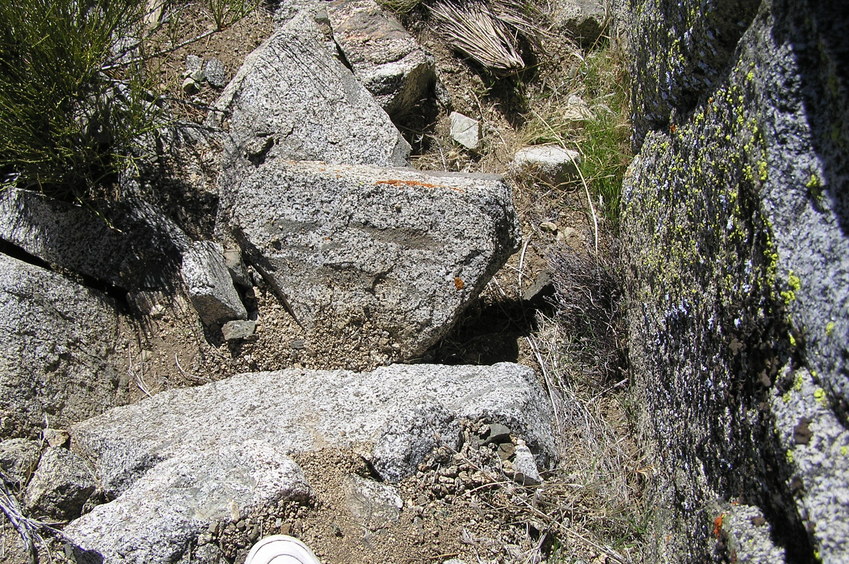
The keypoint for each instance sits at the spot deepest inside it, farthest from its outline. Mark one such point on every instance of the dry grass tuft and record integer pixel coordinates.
(488, 34)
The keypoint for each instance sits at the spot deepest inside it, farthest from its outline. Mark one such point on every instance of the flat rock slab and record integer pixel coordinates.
(55, 339)
(391, 414)
(384, 57)
(186, 459)
(293, 99)
(390, 256)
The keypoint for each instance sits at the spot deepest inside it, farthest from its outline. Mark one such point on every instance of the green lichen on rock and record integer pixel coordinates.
(733, 225)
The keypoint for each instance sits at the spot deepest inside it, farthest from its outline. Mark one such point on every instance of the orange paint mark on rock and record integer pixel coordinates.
(458, 283)
(717, 525)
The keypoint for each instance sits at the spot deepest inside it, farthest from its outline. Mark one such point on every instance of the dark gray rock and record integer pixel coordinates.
(57, 339)
(292, 99)
(129, 244)
(160, 516)
(215, 73)
(583, 20)
(384, 57)
(734, 231)
(18, 460)
(391, 255)
(209, 284)
(60, 486)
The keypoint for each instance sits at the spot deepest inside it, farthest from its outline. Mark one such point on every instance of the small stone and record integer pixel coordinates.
(190, 85)
(496, 433)
(238, 330)
(465, 130)
(193, 63)
(549, 163)
(216, 74)
(372, 504)
(506, 450)
(548, 226)
(56, 437)
(525, 470)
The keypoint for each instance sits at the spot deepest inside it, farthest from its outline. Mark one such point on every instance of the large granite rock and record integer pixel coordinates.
(734, 230)
(392, 254)
(293, 99)
(186, 459)
(585, 21)
(384, 57)
(160, 517)
(129, 244)
(56, 339)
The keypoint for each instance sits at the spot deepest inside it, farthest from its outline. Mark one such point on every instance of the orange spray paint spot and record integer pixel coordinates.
(717, 525)
(458, 283)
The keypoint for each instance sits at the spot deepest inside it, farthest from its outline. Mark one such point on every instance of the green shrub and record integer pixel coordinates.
(75, 99)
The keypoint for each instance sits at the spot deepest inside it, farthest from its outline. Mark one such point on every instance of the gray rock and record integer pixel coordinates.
(193, 63)
(293, 100)
(583, 20)
(215, 73)
(190, 85)
(209, 284)
(161, 515)
(549, 163)
(386, 59)
(238, 330)
(56, 340)
(18, 460)
(402, 411)
(60, 486)
(130, 244)
(391, 255)
(465, 131)
(734, 233)
(373, 505)
(523, 467)
(56, 437)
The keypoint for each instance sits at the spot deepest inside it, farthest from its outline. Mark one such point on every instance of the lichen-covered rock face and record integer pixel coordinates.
(734, 231)
(56, 341)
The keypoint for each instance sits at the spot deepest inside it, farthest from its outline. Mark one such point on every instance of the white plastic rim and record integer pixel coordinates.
(281, 549)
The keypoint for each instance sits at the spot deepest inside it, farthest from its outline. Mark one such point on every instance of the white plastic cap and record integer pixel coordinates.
(281, 549)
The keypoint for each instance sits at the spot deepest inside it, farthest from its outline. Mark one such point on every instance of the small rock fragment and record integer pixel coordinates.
(216, 74)
(56, 437)
(238, 330)
(210, 285)
(465, 130)
(550, 163)
(60, 486)
(193, 63)
(524, 466)
(496, 433)
(548, 226)
(372, 504)
(190, 85)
